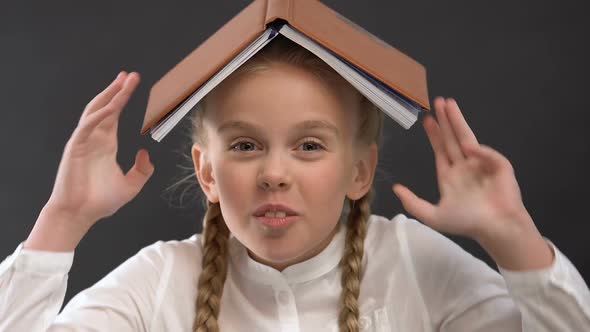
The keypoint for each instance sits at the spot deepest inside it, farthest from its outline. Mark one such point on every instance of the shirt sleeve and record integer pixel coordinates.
(33, 286)
(551, 299)
(462, 293)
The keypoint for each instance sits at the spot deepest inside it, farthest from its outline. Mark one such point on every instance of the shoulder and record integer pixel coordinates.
(139, 288)
(157, 262)
(384, 232)
(164, 269)
(417, 243)
(433, 257)
(184, 253)
(399, 223)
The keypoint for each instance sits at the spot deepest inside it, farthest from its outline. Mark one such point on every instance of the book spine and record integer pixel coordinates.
(278, 9)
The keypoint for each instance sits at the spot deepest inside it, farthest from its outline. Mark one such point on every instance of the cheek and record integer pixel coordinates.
(324, 178)
(323, 187)
(235, 180)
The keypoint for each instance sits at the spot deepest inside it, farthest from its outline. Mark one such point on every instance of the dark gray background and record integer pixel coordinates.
(517, 68)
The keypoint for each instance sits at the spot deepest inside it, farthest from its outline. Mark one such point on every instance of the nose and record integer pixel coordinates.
(273, 173)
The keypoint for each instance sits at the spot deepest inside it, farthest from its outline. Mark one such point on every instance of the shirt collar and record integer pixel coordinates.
(312, 268)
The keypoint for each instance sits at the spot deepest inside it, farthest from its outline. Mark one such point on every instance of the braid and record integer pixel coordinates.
(351, 263)
(214, 270)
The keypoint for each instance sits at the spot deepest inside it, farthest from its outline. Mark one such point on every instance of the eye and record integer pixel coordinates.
(243, 146)
(310, 144)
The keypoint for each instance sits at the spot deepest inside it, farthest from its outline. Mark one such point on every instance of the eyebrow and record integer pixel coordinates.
(307, 124)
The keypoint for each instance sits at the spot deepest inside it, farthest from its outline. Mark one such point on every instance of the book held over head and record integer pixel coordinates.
(391, 80)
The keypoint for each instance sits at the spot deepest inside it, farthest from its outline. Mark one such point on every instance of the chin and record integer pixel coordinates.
(270, 250)
(275, 253)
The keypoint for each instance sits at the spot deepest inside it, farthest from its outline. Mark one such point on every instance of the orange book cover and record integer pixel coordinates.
(314, 19)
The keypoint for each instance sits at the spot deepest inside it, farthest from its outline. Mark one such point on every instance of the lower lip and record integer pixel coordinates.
(277, 222)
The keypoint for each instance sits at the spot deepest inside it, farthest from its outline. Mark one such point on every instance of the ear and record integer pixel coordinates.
(204, 173)
(363, 173)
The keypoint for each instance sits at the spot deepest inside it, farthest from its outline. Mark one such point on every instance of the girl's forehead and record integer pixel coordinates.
(281, 93)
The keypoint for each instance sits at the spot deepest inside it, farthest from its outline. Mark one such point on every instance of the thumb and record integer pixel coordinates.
(416, 206)
(141, 171)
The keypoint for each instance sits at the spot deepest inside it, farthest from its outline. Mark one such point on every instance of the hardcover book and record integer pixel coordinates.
(391, 80)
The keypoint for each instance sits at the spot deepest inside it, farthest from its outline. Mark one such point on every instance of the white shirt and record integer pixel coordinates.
(415, 279)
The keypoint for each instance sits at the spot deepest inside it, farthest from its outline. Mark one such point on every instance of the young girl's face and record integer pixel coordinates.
(280, 136)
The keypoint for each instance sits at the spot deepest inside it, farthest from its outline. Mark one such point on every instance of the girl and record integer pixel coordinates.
(285, 153)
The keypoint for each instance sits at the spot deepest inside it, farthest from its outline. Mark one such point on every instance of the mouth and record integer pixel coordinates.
(275, 215)
(276, 222)
(274, 211)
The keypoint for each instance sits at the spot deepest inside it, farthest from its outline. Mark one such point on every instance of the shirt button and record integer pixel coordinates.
(364, 322)
(283, 297)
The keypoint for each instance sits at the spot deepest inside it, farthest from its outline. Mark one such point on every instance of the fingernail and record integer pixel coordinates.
(120, 75)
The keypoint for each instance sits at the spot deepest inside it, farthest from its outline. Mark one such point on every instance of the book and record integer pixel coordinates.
(391, 80)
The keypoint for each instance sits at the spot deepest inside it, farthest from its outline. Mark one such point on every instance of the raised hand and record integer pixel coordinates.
(90, 184)
(479, 195)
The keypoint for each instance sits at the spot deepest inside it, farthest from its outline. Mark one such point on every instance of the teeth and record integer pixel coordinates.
(277, 214)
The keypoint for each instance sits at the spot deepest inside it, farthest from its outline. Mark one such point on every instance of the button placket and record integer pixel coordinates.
(287, 310)
(283, 297)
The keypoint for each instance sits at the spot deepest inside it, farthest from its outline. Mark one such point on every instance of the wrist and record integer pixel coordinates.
(56, 230)
(520, 247)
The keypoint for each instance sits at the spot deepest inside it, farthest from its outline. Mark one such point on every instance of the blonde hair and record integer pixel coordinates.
(215, 232)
